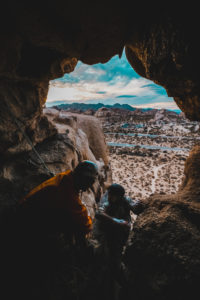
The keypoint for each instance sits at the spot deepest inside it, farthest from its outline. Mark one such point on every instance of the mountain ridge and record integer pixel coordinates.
(84, 107)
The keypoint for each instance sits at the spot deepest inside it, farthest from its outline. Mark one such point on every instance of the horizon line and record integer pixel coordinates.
(136, 107)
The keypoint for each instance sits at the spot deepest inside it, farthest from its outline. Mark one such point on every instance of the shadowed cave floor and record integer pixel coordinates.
(38, 267)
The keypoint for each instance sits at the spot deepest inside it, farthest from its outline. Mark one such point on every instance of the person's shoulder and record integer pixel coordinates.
(128, 200)
(65, 175)
(65, 179)
(137, 206)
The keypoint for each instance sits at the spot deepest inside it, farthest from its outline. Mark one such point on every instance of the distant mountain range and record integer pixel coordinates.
(84, 107)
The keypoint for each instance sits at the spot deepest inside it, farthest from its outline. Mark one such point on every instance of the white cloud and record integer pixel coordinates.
(159, 105)
(90, 90)
(94, 71)
(72, 92)
(107, 83)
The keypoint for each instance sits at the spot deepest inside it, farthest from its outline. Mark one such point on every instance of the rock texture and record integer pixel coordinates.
(166, 116)
(81, 127)
(71, 143)
(163, 257)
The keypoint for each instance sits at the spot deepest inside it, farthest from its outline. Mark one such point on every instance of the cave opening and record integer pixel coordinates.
(148, 136)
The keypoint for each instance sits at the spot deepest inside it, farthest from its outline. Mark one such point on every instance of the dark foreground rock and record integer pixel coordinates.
(163, 257)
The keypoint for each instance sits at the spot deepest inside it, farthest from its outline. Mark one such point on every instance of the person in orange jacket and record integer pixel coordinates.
(55, 205)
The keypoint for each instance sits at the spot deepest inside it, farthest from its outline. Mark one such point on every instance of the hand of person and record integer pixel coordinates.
(138, 207)
(99, 215)
(121, 222)
(88, 235)
(103, 217)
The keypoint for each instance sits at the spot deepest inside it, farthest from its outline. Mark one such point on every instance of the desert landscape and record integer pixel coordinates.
(147, 173)
(148, 157)
(147, 148)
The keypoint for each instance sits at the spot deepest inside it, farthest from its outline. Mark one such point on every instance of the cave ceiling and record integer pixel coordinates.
(43, 41)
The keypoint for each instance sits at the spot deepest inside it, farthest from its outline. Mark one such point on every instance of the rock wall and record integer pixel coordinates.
(63, 150)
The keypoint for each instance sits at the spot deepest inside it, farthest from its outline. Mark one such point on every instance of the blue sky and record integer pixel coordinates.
(113, 82)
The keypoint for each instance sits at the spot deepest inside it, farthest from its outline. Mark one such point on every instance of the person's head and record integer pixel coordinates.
(85, 175)
(115, 193)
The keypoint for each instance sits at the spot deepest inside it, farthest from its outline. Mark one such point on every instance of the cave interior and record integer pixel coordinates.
(43, 41)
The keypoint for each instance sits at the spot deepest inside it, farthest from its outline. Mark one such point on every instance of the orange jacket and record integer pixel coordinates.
(58, 194)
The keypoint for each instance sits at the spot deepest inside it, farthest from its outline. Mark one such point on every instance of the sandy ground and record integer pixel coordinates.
(145, 171)
(162, 172)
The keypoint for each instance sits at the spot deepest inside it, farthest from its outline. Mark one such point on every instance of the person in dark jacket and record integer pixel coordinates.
(113, 213)
(113, 224)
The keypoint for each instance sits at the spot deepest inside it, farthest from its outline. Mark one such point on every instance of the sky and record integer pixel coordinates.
(110, 83)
